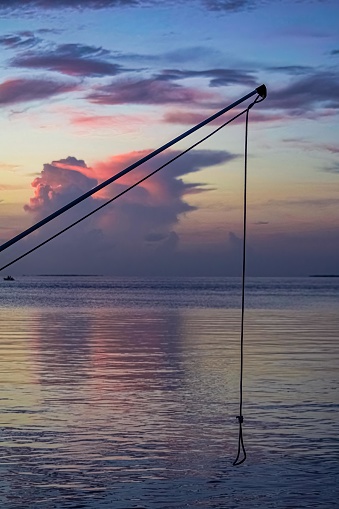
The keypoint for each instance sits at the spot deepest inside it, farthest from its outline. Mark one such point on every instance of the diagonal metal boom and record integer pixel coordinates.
(260, 90)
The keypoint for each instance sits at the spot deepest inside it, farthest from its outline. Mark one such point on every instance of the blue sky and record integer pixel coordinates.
(87, 87)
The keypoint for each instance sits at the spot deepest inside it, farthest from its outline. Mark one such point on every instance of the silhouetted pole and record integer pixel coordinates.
(260, 90)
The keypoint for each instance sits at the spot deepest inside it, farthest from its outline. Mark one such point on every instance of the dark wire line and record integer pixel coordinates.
(240, 418)
(259, 90)
(123, 192)
(241, 446)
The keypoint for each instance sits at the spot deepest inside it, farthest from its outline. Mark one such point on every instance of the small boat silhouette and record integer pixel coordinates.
(9, 278)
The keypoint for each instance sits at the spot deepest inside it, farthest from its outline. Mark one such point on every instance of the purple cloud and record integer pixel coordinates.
(294, 70)
(70, 59)
(334, 168)
(218, 77)
(131, 231)
(215, 5)
(22, 39)
(305, 202)
(59, 182)
(230, 5)
(147, 91)
(72, 4)
(317, 90)
(23, 90)
(308, 145)
(235, 5)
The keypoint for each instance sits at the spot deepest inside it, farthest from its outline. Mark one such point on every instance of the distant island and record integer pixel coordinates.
(64, 275)
(324, 275)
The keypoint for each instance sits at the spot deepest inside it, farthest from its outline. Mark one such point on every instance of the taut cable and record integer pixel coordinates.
(260, 90)
(120, 194)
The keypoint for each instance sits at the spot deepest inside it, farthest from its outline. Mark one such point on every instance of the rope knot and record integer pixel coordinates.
(240, 419)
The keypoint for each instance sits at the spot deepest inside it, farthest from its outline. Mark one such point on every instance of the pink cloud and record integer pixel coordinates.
(137, 230)
(59, 183)
(188, 117)
(70, 59)
(193, 118)
(24, 90)
(309, 145)
(10, 187)
(164, 186)
(142, 219)
(148, 91)
(8, 167)
(19, 40)
(89, 122)
(334, 149)
(315, 92)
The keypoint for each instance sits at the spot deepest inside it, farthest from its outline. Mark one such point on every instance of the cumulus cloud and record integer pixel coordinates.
(165, 189)
(70, 59)
(24, 90)
(136, 228)
(59, 183)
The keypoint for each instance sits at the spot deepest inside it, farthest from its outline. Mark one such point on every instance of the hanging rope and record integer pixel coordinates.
(261, 96)
(241, 446)
(123, 192)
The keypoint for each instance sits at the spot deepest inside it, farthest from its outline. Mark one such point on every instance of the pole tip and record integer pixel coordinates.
(262, 91)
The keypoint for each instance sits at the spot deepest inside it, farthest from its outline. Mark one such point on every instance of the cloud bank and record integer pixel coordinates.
(70, 59)
(213, 5)
(21, 90)
(135, 233)
(218, 77)
(19, 40)
(148, 91)
(220, 5)
(315, 90)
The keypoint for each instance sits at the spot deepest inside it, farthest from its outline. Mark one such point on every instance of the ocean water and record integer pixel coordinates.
(122, 393)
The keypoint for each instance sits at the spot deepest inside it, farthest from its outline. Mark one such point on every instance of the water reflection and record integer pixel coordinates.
(126, 350)
(60, 346)
(135, 408)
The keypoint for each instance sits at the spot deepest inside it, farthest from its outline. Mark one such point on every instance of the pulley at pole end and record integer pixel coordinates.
(262, 91)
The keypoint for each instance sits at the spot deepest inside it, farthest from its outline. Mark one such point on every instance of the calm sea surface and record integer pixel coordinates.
(122, 393)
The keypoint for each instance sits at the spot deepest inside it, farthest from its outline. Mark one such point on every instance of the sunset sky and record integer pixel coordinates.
(87, 87)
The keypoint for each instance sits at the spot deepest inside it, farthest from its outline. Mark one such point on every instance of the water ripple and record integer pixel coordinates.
(104, 407)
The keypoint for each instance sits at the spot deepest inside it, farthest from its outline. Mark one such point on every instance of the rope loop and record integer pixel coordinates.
(240, 417)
